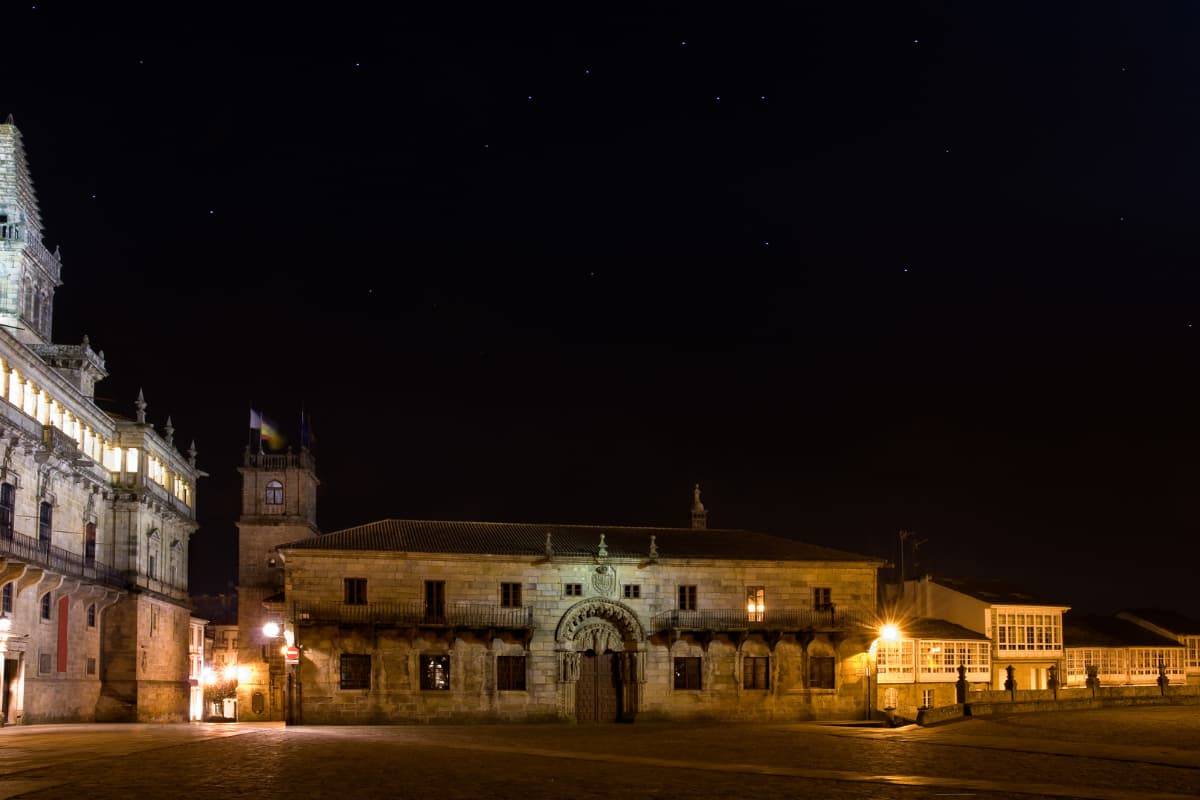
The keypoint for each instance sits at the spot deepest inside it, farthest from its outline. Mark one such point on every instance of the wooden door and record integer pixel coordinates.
(596, 692)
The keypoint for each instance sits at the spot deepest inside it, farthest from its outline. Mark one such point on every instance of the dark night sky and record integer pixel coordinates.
(922, 265)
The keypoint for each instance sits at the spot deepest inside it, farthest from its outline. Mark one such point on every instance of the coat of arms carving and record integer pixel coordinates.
(604, 580)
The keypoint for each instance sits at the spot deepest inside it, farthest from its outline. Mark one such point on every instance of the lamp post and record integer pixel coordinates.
(274, 631)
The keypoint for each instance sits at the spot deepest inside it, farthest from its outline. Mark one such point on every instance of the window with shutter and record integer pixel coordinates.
(756, 672)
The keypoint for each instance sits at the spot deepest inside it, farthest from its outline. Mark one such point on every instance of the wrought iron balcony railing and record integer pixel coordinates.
(28, 550)
(776, 619)
(414, 613)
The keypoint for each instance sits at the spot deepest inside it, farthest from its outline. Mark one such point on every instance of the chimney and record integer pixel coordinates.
(699, 515)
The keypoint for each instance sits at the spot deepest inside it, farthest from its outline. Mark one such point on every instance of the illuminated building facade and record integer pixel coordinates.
(419, 621)
(96, 510)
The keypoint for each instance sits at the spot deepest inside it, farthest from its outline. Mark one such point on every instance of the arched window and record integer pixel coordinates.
(89, 544)
(46, 606)
(45, 524)
(274, 493)
(91, 616)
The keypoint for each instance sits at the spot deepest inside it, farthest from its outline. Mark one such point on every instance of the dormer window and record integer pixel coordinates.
(274, 494)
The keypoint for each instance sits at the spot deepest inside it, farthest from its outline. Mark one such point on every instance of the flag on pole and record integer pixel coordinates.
(255, 420)
(306, 433)
(270, 433)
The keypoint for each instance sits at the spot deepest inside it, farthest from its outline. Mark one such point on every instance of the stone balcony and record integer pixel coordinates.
(415, 614)
(16, 548)
(775, 621)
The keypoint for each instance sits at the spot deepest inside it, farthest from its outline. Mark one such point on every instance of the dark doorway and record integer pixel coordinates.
(597, 693)
(8, 692)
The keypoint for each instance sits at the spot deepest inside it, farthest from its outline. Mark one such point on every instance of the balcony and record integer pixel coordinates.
(415, 614)
(783, 620)
(279, 461)
(28, 550)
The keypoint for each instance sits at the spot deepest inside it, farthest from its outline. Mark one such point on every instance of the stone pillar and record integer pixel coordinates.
(1052, 679)
(1010, 682)
(1163, 680)
(960, 686)
(1093, 678)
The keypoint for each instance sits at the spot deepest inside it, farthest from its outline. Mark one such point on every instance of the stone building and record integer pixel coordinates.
(419, 621)
(96, 510)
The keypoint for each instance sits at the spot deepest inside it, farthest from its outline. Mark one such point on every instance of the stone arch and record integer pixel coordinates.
(580, 619)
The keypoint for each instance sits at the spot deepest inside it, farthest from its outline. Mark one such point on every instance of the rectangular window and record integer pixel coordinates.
(91, 666)
(822, 598)
(435, 602)
(8, 494)
(632, 591)
(6, 598)
(821, 672)
(45, 525)
(355, 591)
(687, 672)
(573, 590)
(1037, 632)
(435, 673)
(687, 598)
(510, 673)
(927, 698)
(756, 672)
(45, 664)
(756, 603)
(510, 595)
(355, 671)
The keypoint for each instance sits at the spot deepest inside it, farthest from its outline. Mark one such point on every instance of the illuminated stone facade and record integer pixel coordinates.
(95, 510)
(405, 621)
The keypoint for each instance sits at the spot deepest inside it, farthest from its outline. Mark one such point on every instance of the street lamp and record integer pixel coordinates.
(271, 629)
(889, 632)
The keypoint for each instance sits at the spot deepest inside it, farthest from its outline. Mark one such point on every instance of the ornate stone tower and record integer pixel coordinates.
(279, 504)
(29, 273)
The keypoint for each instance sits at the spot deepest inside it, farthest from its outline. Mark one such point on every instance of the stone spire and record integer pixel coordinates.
(602, 549)
(699, 515)
(653, 548)
(169, 431)
(140, 403)
(549, 546)
(192, 453)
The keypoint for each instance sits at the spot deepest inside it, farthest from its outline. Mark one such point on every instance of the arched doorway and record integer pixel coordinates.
(601, 648)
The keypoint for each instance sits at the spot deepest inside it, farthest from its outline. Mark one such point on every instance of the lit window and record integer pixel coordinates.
(755, 603)
(927, 698)
(274, 494)
(435, 673)
(131, 460)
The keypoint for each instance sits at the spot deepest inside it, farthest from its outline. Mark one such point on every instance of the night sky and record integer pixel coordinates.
(851, 269)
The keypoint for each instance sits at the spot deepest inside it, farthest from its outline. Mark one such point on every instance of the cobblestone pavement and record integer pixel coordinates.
(1044, 755)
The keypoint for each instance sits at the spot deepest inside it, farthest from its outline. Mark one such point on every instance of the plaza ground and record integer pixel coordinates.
(1113, 754)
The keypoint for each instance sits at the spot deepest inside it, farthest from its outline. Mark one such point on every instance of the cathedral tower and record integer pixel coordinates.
(29, 273)
(279, 505)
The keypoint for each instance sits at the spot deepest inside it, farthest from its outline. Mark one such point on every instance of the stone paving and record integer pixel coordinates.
(1044, 755)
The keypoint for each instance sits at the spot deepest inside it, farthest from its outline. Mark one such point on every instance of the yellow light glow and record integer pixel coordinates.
(243, 674)
(208, 676)
(283, 649)
(289, 637)
(889, 632)
(271, 629)
(230, 673)
(750, 606)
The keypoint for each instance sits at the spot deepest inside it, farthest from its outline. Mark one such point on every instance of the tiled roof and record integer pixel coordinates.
(1094, 631)
(930, 628)
(995, 592)
(1172, 621)
(528, 539)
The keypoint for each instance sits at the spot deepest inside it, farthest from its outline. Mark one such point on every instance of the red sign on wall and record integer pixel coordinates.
(291, 654)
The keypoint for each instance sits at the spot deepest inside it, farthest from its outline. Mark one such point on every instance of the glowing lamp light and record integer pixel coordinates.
(243, 674)
(750, 607)
(271, 629)
(230, 673)
(289, 637)
(208, 677)
(889, 633)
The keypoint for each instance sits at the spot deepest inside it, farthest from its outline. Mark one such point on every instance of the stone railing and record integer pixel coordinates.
(776, 619)
(413, 613)
(26, 549)
(301, 460)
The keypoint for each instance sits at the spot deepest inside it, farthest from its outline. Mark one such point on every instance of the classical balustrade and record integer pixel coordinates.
(302, 460)
(26, 549)
(415, 614)
(769, 619)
